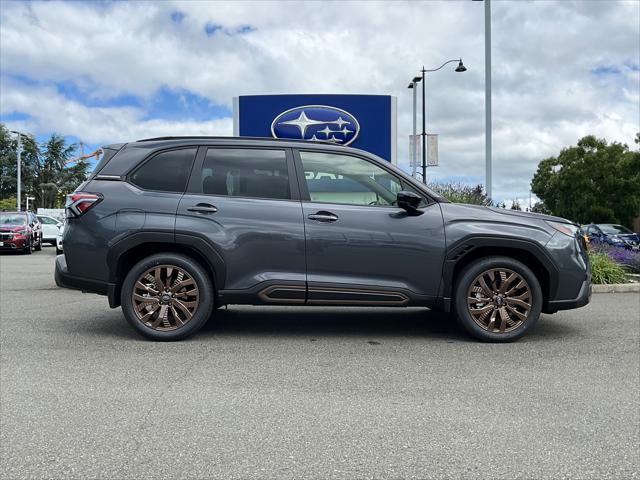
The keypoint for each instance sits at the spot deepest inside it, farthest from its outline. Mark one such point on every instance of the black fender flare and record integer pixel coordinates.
(464, 247)
(191, 241)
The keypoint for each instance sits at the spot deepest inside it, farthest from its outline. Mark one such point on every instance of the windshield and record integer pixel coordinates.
(13, 219)
(614, 229)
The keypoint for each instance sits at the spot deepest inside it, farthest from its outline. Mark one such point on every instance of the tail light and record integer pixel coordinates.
(79, 203)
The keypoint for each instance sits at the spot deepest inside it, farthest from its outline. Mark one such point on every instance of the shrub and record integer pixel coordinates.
(460, 193)
(604, 270)
(630, 259)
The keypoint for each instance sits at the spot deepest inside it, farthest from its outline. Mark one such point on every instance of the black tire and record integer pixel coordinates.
(29, 248)
(58, 251)
(202, 281)
(38, 246)
(473, 326)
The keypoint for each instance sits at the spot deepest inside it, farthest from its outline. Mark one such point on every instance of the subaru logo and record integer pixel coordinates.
(318, 123)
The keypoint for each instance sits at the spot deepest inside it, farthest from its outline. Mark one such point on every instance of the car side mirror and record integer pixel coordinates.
(408, 201)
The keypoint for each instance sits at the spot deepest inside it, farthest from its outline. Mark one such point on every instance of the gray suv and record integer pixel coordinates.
(173, 228)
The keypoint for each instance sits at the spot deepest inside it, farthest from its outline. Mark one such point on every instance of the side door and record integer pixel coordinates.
(244, 203)
(361, 248)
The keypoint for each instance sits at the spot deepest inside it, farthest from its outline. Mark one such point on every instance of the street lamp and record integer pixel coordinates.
(29, 198)
(18, 179)
(414, 153)
(460, 68)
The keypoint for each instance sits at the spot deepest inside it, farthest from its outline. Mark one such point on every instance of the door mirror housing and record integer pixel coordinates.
(408, 201)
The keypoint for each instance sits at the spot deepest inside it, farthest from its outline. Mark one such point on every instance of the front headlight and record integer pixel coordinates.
(615, 239)
(567, 228)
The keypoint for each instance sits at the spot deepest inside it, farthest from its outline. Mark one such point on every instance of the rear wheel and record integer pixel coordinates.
(167, 297)
(497, 299)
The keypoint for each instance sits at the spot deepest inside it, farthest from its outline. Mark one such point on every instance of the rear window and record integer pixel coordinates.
(165, 172)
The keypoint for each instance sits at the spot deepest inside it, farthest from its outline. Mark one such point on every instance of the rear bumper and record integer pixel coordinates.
(583, 298)
(66, 280)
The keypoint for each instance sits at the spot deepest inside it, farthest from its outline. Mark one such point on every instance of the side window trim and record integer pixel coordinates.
(305, 196)
(148, 158)
(194, 185)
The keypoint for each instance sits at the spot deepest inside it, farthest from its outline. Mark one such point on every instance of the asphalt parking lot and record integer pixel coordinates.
(310, 393)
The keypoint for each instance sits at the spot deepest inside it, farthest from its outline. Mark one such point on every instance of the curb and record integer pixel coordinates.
(616, 288)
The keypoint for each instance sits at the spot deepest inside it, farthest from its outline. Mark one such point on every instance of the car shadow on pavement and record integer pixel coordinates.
(331, 322)
(314, 323)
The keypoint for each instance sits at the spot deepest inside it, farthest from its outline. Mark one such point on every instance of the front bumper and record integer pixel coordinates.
(583, 298)
(14, 244)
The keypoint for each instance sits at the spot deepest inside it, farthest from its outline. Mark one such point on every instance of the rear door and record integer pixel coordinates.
(361, 248)
(244, 203)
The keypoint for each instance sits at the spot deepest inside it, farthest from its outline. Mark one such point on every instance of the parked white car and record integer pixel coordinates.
(59, 240)
(51, 227)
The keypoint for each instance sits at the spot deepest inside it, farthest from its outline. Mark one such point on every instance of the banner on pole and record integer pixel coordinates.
(414, 146)
(432, 150)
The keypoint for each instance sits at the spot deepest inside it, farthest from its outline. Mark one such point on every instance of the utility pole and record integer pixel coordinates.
(487, 95)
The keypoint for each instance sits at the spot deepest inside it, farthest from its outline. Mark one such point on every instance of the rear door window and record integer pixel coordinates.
(245, 172)
(165, 172)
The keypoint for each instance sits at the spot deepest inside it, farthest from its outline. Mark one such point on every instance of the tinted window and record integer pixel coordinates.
(338, 178)
(166, 172)
(240, 172)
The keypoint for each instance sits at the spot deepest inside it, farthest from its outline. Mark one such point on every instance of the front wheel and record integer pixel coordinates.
(498, 299)
(38, 246)
(29, 248)
(167, 297)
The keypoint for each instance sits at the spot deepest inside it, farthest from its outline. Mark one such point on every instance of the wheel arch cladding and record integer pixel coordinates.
(125, 257)
(528, 253)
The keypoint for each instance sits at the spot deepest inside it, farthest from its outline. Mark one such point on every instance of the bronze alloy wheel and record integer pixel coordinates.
(165, 297)
(499, 300)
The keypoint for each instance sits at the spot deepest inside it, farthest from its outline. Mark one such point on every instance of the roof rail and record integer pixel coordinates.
(217, 137)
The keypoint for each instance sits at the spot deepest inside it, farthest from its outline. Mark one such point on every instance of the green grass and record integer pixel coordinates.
(604, 270)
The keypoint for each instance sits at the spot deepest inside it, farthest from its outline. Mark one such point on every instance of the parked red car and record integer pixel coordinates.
(20, 231)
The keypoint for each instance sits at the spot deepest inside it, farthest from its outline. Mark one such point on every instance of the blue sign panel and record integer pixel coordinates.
(367, 122)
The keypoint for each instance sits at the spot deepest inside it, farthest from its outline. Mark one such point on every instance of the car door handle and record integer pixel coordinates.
(203, 208)
(323, 217)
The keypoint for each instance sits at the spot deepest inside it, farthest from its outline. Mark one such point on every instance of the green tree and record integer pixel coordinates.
(591, 182)
(9, 163)
(45, 173)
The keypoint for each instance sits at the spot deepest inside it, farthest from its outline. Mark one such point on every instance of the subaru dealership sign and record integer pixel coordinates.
(367, 122)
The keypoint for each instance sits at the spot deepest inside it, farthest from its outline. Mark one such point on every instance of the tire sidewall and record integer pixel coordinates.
(203, 282)
(476, 268)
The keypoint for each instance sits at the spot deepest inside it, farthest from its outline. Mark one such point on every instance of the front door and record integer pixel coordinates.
(361, 248)
(244, 203)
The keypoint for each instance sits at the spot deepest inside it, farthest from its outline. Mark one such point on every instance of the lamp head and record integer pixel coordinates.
(461, 67)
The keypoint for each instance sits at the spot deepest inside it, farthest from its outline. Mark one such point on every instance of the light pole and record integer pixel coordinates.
(487, 96)
(414, 159)
(18, 179)
(459, 68)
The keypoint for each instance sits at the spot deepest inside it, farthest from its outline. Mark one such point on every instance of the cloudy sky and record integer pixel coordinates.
(109, 72)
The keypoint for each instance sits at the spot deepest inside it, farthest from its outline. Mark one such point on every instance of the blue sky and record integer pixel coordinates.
(105, 72)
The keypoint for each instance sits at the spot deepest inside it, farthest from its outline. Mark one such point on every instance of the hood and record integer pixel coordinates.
(539, 216)
(482, 211)
(12, 228)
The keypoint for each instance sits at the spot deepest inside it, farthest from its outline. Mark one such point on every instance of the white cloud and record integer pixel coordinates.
(545, 96)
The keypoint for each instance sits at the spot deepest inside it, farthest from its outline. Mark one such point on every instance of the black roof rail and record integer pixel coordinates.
(218, 137)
